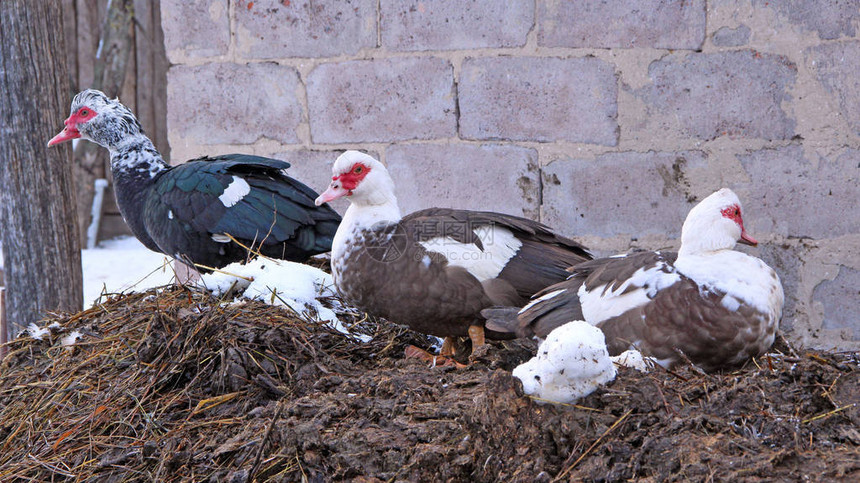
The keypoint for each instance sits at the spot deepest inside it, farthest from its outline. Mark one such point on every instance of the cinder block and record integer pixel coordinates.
(195, 28)
(233, 104)
(662, 24)
(487, 177)
(415, 25)
(830, 18)
(837, 66)
(787, 260)
(382, 100)
(625, 193)
(539, 99)
(838, 298)
(790, 196)
(731, 37)
(270, 29)
(706, 96)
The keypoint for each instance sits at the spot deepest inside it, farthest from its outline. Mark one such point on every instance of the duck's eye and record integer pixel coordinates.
(84, 112)
(737, 212)
(357, 170)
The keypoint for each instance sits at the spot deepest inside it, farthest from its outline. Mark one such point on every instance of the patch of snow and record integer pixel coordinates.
(122, 264)
(570, 364)
(282, 283)
(634, 360)
(119, 265)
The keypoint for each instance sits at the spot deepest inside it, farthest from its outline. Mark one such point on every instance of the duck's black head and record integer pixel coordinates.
(101, 120)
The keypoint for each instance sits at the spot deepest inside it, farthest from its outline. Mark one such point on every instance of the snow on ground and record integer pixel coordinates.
(634, 360)
(125, 265)
(122, 265)
(278, 282)
(571, 363)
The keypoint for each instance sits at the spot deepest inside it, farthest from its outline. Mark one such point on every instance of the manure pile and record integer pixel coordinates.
(175, 385)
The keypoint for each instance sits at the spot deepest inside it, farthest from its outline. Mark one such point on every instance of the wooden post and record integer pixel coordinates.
(40, 236)
(4, 331)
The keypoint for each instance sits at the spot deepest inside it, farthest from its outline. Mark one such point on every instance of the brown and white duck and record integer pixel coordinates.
(436, 269)
(717, 306)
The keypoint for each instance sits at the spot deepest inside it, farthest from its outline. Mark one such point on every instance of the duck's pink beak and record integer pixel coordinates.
(746, 239)
(335, 190)
(67, 134)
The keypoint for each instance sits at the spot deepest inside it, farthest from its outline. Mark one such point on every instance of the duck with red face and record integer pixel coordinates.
(196, 210)
(436, 269)
(716, 306)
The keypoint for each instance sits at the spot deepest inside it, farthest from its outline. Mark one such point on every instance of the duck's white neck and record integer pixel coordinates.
(687, 250)
(369, 207)
(365, 216)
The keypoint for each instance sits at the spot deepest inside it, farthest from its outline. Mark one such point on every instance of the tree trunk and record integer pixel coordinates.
(41, 246)
(112, 59)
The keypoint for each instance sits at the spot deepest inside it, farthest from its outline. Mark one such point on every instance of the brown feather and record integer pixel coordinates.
(385, 270)
(679, 317)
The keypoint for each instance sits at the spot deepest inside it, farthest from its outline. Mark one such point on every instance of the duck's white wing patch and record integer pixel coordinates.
(235, 191)
(553, 294)
(730, 302)
(499, 246)
(598, 306)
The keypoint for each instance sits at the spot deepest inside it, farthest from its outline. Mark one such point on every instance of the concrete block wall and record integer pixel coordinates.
(605, 120)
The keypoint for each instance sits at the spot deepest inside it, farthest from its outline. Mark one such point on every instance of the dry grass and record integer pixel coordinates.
(155, 378)
(175, 385)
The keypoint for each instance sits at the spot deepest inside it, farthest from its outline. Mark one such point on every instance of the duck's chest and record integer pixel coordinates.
(357, 273)
(741, 280)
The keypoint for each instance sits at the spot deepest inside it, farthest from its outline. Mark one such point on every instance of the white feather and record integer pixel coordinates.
(737, 275)
(730, 302)
(499, 246)
(234, 192)
(70, 338)
(35, 331)
(598, 306)
(356, 219)
(554, 293)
